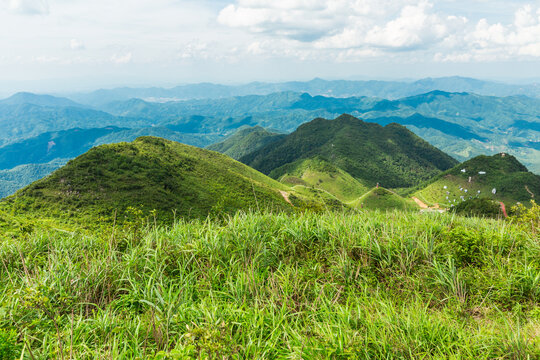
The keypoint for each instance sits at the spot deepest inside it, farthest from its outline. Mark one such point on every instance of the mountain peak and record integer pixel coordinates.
(390, 155)
(37, 99)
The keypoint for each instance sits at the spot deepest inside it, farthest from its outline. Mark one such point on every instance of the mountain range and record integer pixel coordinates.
(331, 88)
(342, 163)
(36, 129)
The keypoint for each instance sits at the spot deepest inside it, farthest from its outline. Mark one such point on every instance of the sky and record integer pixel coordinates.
(76, 45)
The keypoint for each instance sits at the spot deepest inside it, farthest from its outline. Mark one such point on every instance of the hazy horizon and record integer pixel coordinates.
(60, 46)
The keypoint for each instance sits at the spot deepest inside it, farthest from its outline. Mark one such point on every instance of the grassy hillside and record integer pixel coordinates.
(383, 199)
(334, 286)
(150, 173)
(319, 173)
(245, 141)
(391, 155)
(510, 179)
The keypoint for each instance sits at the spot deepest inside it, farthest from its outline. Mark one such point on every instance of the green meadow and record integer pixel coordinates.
(334, 285)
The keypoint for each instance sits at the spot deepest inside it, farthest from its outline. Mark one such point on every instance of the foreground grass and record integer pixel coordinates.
(370, 285)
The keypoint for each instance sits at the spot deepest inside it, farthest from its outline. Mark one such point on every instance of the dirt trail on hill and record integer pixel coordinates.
(286, 196)
(420, 203)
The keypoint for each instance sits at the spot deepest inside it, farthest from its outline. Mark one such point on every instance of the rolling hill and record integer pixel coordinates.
(245, 141)
(52, 145)
(391, 155)
(499, 177)
(383, 199)
(316, 172)
(150, 174)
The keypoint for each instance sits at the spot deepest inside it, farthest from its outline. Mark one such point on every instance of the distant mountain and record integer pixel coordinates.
(245, 141)
(391, 155)
(52, 145)
(41, 100)
(14, 179)
(462, 124)
(23, 121)
(333, 88)
(150, 173)
(499, 177)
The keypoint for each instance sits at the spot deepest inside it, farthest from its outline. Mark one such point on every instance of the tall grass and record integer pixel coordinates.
(371, 285)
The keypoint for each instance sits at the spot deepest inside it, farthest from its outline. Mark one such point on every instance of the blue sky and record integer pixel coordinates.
(62, 45)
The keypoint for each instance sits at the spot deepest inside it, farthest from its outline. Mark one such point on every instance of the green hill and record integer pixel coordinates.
(390, 155)
(150, 173)
(383, 199)
(245, 141)
(319, 173)
(510, 179)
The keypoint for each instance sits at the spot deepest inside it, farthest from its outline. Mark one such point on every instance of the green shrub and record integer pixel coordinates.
(481, 207)
(465, 245)
(523, 215)
(9, 348)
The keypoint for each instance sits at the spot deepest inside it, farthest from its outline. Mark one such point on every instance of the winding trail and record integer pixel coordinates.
(529, 191)
(420, 203)
(286, 196)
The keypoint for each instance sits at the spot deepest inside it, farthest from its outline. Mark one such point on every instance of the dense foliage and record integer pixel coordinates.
(370, 285)
(480, 207)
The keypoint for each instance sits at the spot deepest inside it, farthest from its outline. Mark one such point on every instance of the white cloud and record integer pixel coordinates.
(122, 59)
(304, 20)
(358, 29)
(415, 27)
(28, 7)
(75, 44)
(342, 24)
(502, 41)
(290, 37)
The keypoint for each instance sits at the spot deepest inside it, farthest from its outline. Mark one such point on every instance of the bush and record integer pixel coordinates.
(465, 245)
(9, 349)
(481, 207)
(524, 215)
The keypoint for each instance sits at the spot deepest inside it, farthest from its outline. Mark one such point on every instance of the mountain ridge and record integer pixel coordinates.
(369, 152)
